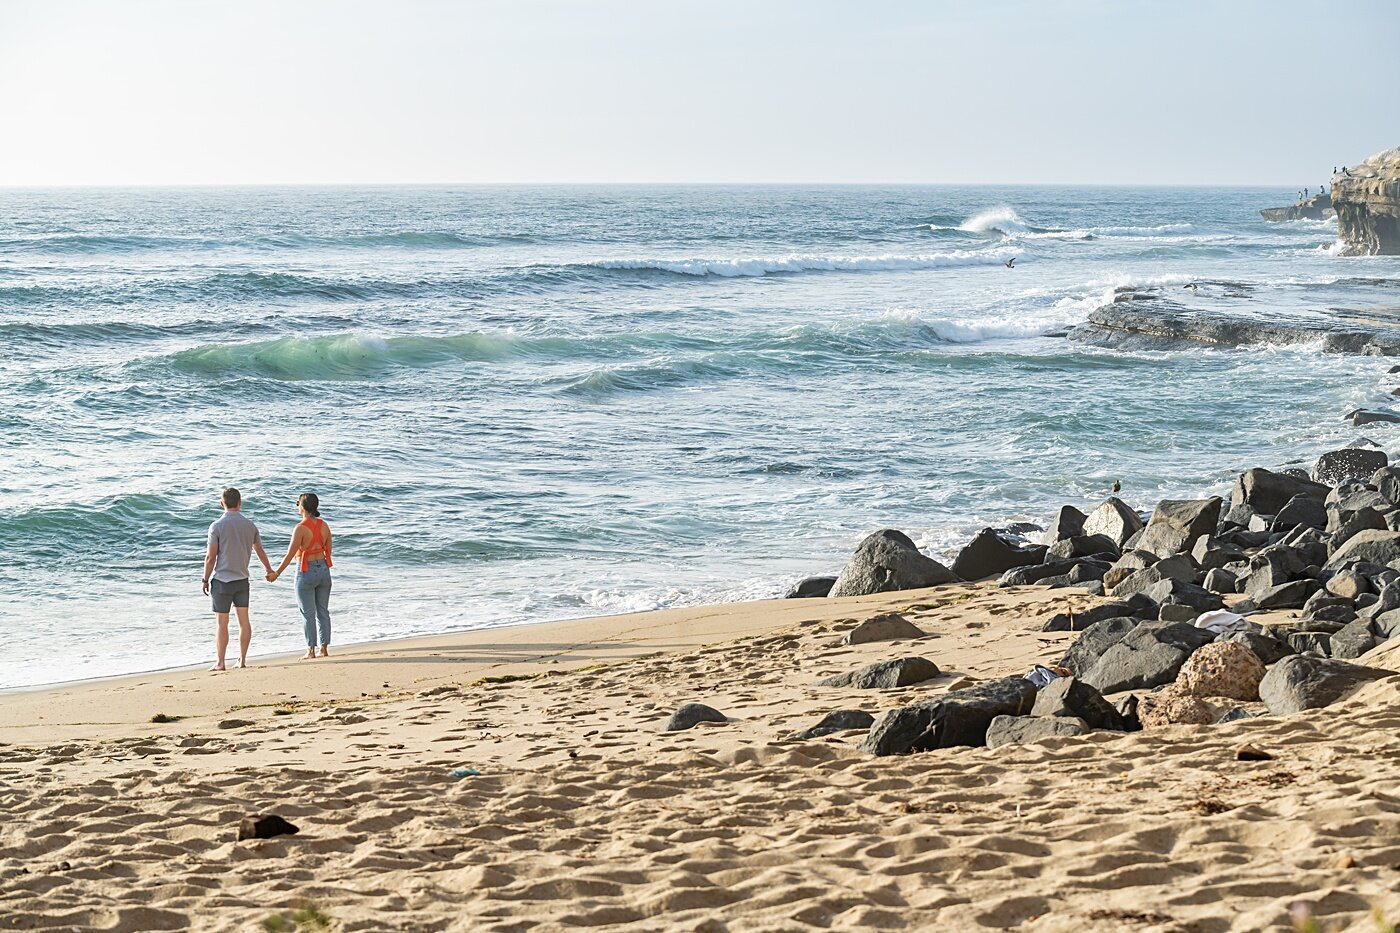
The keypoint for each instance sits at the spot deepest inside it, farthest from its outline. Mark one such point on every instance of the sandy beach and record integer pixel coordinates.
(520, 779)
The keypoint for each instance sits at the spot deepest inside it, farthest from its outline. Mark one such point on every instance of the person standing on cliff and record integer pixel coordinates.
(232, 540)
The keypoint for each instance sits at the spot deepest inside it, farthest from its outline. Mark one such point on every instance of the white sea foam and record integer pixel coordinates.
(997, 220)
(769, 265)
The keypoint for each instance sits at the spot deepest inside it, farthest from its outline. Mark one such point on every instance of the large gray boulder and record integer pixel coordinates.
(1307, 511)
(1386, 481)
(1267, 492)
(1115, 520)
(1300, 682)
(1178, 567)
(1372, 546)
(1096, 639)
(885, 675)
(1352, 641)
(989, 555)
(886, 561)
(1069, 696)
(1192, 517)
(957, 718)
(1022, 730)
(1148, 656)
(1072, 621)
(1337, 465)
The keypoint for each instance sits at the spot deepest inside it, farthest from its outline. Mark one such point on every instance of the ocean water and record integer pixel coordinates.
(529, 403)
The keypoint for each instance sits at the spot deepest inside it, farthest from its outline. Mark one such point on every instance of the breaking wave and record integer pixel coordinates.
(795, 263)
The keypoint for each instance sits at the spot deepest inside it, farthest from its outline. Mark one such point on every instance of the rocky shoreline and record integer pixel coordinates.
(1169, 638)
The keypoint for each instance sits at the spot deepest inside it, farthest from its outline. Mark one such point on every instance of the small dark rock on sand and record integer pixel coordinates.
(264, 826)
(692, 714)
(839, 721)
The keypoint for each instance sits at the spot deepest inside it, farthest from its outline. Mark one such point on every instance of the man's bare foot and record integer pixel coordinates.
(310, 655)
(242, 663)
(218, 667)
(324, 652)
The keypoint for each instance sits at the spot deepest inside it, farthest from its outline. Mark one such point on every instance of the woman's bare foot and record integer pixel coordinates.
(310, 655)
(218, 667)
(324, 652)
(242, 664)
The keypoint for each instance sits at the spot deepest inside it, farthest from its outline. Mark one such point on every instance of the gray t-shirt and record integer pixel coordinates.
(235, 537)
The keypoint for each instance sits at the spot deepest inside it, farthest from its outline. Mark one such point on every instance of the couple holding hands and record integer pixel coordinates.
(233, 539)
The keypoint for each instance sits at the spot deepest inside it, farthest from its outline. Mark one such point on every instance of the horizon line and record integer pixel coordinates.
(50, 186)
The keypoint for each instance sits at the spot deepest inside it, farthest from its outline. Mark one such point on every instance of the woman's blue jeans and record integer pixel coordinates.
(314, 599)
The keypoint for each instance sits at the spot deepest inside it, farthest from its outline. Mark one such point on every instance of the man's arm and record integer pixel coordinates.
(210, 555)
(262, 554)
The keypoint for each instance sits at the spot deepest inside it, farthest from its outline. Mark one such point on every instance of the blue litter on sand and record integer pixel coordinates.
(465, 772)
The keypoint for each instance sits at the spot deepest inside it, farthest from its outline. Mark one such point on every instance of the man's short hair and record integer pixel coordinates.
(231, 498)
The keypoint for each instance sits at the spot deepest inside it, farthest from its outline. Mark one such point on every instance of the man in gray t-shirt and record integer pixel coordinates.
(232, 539)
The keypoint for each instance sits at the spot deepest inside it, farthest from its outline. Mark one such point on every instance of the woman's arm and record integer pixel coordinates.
(296, 544)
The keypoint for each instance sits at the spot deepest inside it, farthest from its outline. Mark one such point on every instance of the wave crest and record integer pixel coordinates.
(795, 263)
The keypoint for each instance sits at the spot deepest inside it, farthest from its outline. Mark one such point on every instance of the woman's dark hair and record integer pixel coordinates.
(308, 501)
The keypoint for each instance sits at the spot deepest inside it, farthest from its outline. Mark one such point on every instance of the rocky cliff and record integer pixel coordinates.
(1367, 201)
(1317, 207)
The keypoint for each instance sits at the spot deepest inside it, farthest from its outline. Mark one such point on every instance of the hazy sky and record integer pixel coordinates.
(1138, 91)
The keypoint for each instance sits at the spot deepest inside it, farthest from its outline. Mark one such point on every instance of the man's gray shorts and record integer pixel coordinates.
(230, 593)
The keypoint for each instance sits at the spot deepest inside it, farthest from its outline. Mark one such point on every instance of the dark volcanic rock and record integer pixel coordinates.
(1387, 482)
(957, 718)
(1297, 683)
(1192, 517)
(884, 675)
(264, 826)
(1068, 524)
(1352, 641)
(839, 721)
(891, 626)
(1078, 621)
(1184, 594)
(1069, 696)
(1362, 416)
(1337, 465)
(1220, 581)
(988, 555)
(1021, 730)
(811, 587)
(1265, 648)
(1267, 493)
(1178, 568)
(1025, 576)
(1114, 520)
(886, 561)
(1148, 656)
(1373, 546)
(1283, 596)
(692, 714)
(1081, 546)
(1097, 638)
(1308, 511)
(1315, 642)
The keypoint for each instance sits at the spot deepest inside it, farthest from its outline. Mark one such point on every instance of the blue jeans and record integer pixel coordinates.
(314, 599)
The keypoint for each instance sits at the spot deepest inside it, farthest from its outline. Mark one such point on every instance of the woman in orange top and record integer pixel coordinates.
(311, 543)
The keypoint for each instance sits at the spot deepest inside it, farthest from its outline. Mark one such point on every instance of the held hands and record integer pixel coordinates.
(272, 575)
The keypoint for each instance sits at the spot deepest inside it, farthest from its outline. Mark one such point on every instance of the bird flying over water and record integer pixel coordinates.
(1011, 263)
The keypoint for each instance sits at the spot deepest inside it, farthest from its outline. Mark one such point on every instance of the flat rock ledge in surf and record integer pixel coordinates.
(1137, 321)
(1317, 207)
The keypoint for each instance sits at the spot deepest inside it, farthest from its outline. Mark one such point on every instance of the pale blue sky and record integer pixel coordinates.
(187, 91)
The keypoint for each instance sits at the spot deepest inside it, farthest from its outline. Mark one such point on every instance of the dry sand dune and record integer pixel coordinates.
(585, 814)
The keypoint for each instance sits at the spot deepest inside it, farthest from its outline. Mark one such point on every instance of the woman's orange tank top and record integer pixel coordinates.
(320, 548)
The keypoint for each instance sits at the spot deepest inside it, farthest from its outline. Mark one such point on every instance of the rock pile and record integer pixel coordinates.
(1325, 542)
